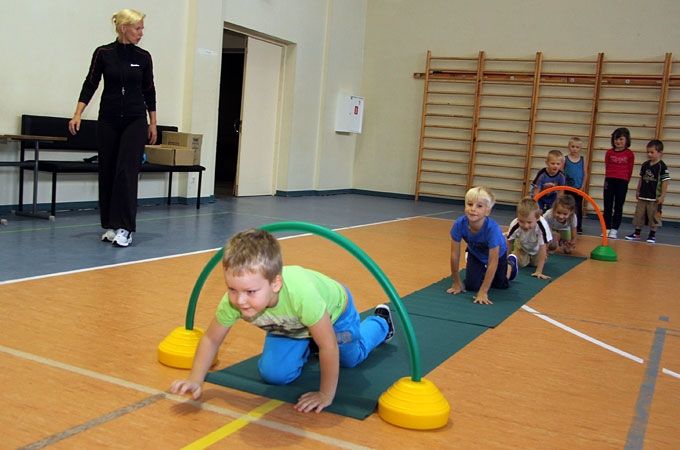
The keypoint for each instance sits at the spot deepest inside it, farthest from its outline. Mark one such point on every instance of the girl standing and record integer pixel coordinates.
(618, 168)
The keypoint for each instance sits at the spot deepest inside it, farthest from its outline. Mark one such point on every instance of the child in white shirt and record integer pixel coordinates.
(563, 224)
(528, 236)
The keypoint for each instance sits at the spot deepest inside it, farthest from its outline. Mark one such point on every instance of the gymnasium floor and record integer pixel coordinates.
(593, 361)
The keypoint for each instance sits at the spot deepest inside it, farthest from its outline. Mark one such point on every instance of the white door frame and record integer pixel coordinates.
(260, 118)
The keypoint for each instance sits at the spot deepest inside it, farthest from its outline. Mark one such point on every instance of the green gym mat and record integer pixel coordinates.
(443, 324)
(359, 387)
(460, 308)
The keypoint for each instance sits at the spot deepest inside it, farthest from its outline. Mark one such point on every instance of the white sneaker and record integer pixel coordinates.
(123, 238)
(109, 235)
(612, 234)
(606, 233)
(384, 312)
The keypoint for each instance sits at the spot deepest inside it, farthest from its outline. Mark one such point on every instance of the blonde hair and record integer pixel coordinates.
(575, 140)
(555, 154)
(126, 17)
(481, 193)
(528, 206)
(253, 251)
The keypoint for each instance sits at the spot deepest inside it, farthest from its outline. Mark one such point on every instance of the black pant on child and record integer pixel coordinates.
(615, 190)
(475, 270)
(121, 146)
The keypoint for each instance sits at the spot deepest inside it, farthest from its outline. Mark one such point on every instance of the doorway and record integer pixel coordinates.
(229, 113)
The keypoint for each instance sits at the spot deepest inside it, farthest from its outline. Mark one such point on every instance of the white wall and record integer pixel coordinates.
(399, 33)
(343, 74)
(324, 56)
(47, 45)
(367, 48)
(46, 48)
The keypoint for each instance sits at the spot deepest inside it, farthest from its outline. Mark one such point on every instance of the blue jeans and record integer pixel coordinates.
(283, 357)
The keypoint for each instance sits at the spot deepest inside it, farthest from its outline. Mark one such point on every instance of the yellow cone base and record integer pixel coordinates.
(179, 347)
(417, 405)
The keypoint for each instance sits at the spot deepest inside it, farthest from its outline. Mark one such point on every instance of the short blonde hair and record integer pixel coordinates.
(253, 251)
(528, 206)
(575, 140)
(481, 193)
(126, 17)
(555, 154)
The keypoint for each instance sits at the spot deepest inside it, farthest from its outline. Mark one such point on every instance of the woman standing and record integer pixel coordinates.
(122, 129)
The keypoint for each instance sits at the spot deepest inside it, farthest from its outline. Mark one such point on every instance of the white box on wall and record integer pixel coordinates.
(349, 114)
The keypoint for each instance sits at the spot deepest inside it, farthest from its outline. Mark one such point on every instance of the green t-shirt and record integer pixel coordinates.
(303, 299)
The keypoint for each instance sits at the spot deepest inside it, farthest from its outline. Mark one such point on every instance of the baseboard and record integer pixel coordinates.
(90, 205)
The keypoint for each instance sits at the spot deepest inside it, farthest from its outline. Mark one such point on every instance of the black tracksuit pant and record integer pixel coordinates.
(615, 190)
(121, 146)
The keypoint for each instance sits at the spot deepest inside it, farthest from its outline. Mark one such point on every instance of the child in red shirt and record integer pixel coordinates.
(618, 168)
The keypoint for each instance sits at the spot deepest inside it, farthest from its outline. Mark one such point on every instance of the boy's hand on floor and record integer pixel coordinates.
(482, 299)
(182, 387)
(313, 401)
(455, 289)
(540, 276)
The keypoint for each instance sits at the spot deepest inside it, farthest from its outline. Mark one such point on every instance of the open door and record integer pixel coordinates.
(255, 174)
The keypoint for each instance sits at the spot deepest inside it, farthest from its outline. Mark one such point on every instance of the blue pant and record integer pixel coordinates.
(283, 357)
(476, 269)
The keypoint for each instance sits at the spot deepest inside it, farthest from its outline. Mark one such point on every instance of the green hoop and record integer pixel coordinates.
(355, 251)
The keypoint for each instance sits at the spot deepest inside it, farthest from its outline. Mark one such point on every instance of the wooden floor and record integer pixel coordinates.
(78, 356)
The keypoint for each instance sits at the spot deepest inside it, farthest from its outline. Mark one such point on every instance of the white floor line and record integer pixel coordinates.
(90, 269)
(160, 258)
(671, 373)
(179, 399)
(604, 345)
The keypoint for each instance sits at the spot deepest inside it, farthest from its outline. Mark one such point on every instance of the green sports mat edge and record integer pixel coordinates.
(443, 324)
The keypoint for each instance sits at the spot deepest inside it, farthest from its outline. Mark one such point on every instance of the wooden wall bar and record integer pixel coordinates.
(492, 121)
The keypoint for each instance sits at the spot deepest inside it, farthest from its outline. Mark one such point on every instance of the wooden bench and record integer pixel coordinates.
(84, 141)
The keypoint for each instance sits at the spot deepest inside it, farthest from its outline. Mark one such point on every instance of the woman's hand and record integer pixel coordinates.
(74, 124)
(153, 133)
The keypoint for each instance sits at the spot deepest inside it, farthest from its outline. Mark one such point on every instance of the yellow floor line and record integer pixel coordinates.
(234, 426)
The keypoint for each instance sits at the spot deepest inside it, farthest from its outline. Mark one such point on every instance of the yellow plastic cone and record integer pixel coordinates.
(417, 405)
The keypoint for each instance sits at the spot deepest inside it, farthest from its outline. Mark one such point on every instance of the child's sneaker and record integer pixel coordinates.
(384, 312)
(651, 239)
(514, 266)
(123, 238)
(612, 234)
(633, 237)
(109, 235)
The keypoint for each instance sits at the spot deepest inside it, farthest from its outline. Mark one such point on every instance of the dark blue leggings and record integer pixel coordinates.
(475, 271)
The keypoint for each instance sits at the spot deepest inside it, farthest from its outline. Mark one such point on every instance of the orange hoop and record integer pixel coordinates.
(602, 252)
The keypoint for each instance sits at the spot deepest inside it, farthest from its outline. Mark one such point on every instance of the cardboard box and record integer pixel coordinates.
(193, 141)
(183, 139)
(170, 155)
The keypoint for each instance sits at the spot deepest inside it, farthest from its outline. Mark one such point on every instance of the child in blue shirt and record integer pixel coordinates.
(488, 264)
(575, 173)
(549, 176)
